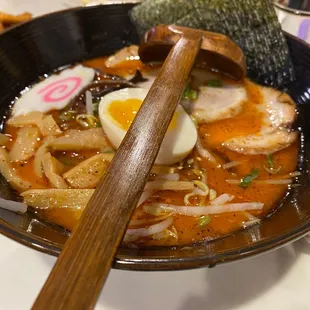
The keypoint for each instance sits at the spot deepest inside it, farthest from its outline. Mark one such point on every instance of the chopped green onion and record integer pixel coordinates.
(270, 161)
(88, 121)
(214, 83)
(248, 179)
(271, 169)
(204, 221)
(189, 93)
(212, 194)
(66, 116)
(95, 107)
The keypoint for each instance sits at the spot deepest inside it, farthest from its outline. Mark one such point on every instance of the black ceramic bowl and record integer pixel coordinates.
(46, 43)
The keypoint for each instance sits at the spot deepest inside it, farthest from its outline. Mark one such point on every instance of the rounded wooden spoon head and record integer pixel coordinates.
(217, 51)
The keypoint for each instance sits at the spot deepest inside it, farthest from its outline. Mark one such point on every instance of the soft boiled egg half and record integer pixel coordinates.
(118, 109)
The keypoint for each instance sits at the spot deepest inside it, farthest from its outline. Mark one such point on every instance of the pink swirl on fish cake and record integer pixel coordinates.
(61, 89)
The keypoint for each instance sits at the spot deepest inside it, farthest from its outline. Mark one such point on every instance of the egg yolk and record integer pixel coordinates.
(124, 112)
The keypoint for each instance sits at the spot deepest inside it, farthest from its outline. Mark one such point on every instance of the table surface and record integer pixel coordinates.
(276, 280)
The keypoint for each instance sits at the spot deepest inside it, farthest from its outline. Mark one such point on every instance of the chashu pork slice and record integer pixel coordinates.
(213, 103)
(218, 103)
(275, 134)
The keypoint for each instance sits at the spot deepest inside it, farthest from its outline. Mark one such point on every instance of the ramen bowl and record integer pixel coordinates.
(47, 43)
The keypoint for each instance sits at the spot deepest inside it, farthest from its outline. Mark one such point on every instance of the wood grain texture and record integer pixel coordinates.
(81, 269)
(217, 50)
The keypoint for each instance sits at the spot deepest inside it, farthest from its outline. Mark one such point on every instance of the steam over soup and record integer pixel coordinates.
(227, 159)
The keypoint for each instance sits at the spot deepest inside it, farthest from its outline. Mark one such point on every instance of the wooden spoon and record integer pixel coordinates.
(83, 266)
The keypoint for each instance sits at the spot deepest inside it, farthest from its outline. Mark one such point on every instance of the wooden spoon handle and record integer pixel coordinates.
(83, 266)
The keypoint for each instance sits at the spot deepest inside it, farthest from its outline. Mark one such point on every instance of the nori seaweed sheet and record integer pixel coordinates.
(252, 24)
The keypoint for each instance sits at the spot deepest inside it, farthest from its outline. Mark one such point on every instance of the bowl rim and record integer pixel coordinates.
(150, 263)
(291, 10)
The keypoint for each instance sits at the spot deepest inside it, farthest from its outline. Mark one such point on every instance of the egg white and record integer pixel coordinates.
(178, 142)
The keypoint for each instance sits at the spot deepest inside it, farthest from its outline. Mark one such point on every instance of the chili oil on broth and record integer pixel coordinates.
(185, 229)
